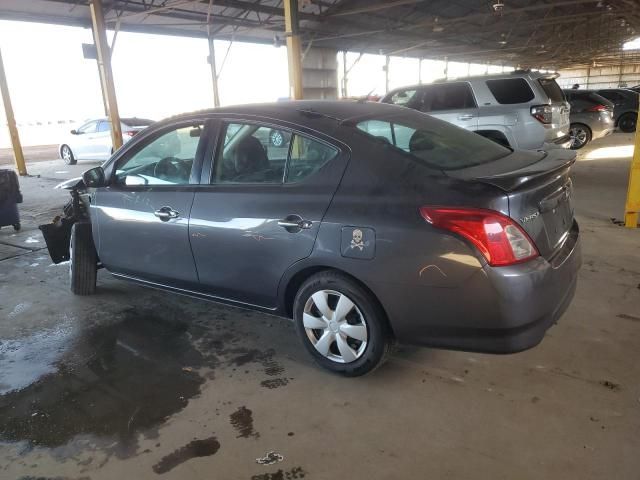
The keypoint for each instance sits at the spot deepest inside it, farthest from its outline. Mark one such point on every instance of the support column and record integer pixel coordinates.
(632, 207)
(104, 64)
(386, 74)
(11, 121)
(294, 54)
(345, 73)
(214, 72)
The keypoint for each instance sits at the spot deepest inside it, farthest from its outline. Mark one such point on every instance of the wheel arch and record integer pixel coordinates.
(497, 136)
(298, 278)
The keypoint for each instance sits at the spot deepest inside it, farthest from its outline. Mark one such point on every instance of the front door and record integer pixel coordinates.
(141, 220)
(262, 210)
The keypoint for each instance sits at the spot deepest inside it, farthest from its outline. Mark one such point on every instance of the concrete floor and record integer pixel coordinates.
(132, 383)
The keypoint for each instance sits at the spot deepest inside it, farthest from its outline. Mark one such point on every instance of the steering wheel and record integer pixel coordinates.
(168, 168)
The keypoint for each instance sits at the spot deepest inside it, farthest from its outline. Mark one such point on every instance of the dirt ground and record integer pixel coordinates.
(134, 383)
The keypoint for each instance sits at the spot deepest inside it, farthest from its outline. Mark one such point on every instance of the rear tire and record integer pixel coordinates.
(627, 122)
(359, 338)
(83, 266)
(580, 135)
(17, 226)
(67, 155)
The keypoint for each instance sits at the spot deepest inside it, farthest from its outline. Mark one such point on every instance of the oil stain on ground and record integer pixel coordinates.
(115, 380)
(196, 448)
(293, 474)
(242, 421)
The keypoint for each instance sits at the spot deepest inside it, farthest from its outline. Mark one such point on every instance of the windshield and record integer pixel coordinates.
(433, 142)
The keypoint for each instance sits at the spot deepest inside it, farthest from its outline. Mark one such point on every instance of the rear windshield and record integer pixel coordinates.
(137, 122)
(434, 143)
(552, 89)
(511, 90)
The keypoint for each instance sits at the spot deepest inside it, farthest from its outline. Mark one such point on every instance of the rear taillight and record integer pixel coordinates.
(499, 238)
(598, 108)
(129, 133)
(542, 113)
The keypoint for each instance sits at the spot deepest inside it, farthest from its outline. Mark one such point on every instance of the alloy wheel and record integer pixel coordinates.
(578, 137)
(66, 154)
(335, 326)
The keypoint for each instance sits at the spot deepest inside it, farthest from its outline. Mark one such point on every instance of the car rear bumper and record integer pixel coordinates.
(560, 142)
(500, 310)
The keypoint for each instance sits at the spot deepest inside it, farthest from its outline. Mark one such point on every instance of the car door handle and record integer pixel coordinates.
(166, 213)
(295, 222)
(467, 116)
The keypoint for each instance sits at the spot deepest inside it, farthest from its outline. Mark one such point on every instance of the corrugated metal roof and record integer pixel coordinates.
(534, 33)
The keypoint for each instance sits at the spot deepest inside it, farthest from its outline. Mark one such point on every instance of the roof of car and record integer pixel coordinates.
(303, 111)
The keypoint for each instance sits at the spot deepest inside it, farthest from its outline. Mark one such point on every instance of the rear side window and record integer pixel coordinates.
(448, 96)
(508, 91)
(307, 157)
(552, 89)
(434, 143)
(104, 126)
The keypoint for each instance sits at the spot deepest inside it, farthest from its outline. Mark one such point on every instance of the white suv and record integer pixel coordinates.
(522, 110)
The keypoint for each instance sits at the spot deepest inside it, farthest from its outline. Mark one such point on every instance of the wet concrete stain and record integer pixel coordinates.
(614, 387)
(196, 448)
(53, 478)
(274, 383)
(115, 380)
(245, 356)
(626, 316)
(242, 421)
(294, 473)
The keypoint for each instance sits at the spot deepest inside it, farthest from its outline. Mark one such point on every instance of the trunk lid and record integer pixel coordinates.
(539, 192)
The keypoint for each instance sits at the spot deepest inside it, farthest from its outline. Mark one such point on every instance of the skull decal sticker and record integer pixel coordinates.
(358, 242)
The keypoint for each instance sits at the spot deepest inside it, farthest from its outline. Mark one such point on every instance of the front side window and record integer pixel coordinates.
(434, 143)
(448, 96)
(508, 91)
(165, 160)
(403, 97)
(89, 127)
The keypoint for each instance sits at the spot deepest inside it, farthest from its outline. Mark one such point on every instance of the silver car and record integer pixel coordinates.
(521, 110)
(92, 140)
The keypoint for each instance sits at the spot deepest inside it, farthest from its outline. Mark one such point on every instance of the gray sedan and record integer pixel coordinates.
(369, 223)
(591, 117)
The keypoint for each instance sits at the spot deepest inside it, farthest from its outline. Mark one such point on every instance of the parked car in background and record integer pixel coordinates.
(92, 140)
(522, 109)
(372, 224)
(625, 107)
(591, 117)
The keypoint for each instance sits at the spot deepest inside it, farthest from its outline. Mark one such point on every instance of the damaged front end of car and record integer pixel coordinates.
(57, 234)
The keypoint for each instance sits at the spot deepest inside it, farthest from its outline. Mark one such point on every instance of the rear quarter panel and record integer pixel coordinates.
(413, 262)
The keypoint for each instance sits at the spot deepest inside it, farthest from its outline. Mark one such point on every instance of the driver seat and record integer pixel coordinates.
(249, 156)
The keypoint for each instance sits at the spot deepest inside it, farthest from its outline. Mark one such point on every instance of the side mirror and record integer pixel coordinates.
(74, 132)
(94, 178)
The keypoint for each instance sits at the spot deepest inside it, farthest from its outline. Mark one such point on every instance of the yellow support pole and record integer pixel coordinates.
(294, 52)
(214, 72)
(11, 122)
(632, 207)
(104, 64)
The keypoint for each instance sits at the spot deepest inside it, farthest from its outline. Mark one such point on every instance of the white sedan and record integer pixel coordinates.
(92, 141)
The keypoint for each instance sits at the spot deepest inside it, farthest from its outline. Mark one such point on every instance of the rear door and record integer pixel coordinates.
(453, 103)
(141, 220)
(83, 141)
(262, 208)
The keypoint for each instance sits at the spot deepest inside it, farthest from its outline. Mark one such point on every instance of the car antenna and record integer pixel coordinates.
(364, 98)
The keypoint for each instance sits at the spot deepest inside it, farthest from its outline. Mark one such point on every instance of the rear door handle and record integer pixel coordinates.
(295, 222)
(166, 213)
(466, 116)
